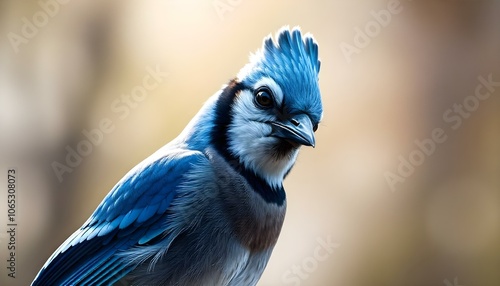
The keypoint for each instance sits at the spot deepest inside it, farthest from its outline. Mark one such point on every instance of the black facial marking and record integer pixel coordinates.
(220, 141)
(223, 116)
(283, 149)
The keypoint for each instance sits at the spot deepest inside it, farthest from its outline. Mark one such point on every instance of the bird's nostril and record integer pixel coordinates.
(295, 122)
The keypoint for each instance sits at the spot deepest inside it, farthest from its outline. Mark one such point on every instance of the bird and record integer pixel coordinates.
(207, 208)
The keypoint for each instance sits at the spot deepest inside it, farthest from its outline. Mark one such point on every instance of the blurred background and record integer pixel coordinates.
(382, 89)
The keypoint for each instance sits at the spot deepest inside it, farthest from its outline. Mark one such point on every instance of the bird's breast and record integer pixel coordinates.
(255, 223)
(259, 228)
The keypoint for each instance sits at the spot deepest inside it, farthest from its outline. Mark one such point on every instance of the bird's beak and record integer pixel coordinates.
(298, 129)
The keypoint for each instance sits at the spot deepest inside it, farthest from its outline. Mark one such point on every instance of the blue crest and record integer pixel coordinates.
(291, 60)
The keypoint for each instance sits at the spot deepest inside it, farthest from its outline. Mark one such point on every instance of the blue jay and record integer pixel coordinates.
(208, 207)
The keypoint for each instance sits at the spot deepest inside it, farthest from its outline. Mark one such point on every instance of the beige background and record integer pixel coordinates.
(441, 223)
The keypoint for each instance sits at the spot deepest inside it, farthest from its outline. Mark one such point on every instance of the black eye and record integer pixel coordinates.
(315, 127)
(264, 98)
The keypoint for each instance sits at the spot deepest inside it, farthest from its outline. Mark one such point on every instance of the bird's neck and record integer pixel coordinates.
(254, 222)
(208, 129)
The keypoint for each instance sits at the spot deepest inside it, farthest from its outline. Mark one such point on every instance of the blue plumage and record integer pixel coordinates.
(207, 208)
(144, 194)
(289, 60)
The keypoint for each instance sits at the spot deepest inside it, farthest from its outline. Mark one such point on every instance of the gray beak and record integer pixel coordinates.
(298, 129)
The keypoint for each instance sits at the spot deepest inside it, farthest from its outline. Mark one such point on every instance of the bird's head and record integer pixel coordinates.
(272, 107)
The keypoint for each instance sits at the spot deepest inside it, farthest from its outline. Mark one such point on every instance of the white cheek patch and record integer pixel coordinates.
(248, 128)
(244, 109)
(248, 136)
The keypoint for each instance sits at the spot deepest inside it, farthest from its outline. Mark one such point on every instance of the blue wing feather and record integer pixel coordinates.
(133, 213)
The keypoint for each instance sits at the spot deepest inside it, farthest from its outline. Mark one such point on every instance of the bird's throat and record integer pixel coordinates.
(271, 193)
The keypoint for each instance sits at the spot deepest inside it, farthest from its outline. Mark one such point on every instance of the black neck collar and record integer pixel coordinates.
(271, 194)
